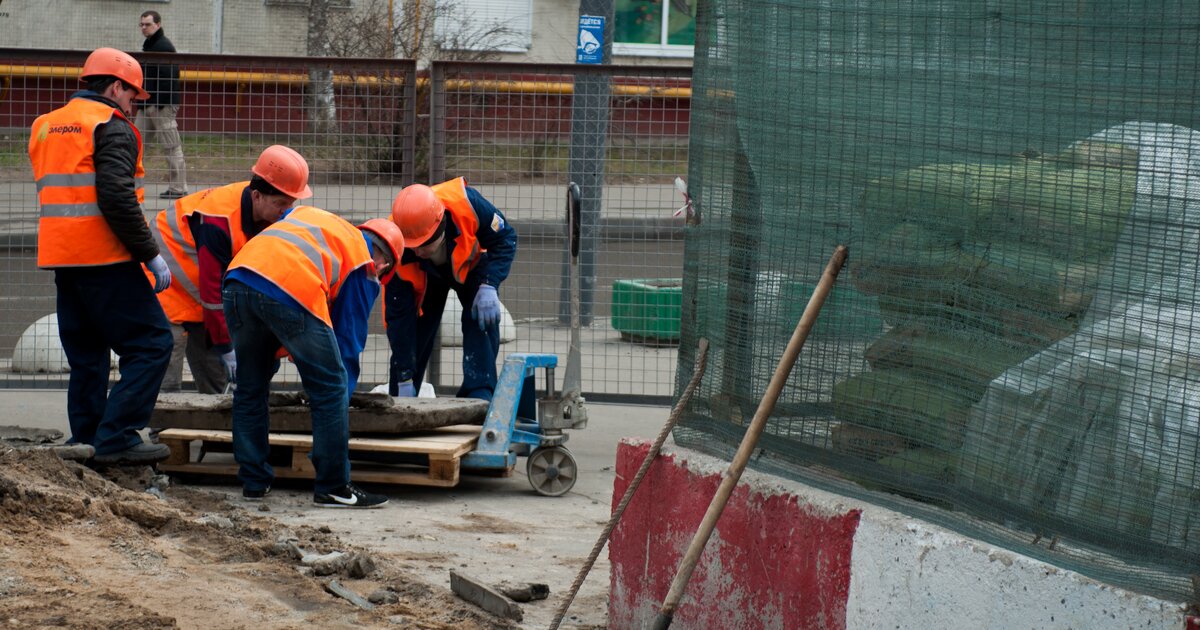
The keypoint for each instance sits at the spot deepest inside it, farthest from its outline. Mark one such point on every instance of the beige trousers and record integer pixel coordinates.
(157, 124)
(207, 369)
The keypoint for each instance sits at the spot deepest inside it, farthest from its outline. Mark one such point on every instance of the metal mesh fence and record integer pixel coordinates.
(1013, 340)
(520, 133)
(370, 127)
(353, 121)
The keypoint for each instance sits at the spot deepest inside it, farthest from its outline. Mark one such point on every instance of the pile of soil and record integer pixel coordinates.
(81, 548)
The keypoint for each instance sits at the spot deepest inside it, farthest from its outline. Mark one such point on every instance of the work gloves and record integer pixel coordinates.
(162, 275)
(229, 360)
(406, 390)
(486, 309)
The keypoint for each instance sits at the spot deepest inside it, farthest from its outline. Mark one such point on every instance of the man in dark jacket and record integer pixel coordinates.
(87, 163)
(157, 118)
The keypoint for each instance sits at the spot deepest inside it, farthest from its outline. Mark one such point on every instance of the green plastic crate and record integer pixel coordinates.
(648, 309)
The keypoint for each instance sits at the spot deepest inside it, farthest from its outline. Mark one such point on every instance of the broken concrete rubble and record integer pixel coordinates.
(524, 592)
(484, 596)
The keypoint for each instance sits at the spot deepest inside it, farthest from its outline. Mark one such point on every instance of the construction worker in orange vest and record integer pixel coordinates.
(456, 240)
(306, 284)
(87, 162)
(199, 236)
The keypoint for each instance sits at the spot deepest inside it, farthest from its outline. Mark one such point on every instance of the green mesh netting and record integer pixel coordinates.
(1014, 347)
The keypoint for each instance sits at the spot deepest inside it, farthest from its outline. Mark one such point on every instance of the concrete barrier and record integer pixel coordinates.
(38, 350)
(451, 329)
(786, 555)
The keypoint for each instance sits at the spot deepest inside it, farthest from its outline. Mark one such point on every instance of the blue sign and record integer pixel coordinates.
(590, 48)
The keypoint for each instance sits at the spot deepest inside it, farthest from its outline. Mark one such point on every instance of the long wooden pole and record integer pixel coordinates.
(750, 440)
(651, 455)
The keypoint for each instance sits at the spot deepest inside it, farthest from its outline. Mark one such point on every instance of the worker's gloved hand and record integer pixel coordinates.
(486, 309)
(229, 360)
(406, 390)
(162, 275)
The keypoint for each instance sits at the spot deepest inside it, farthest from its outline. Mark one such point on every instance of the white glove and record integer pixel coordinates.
(229, 359)
(162, 275)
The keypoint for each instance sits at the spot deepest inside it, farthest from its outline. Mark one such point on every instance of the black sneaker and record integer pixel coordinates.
(144, 453)
(255, 495)
(172, 194)
(349, 496)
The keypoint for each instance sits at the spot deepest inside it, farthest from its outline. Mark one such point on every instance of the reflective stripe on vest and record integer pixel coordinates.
(308, 255)
(72, 232)
(173, 232)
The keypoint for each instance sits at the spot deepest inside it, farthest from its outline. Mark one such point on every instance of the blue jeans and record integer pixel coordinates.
(103, 309)
(259, 325)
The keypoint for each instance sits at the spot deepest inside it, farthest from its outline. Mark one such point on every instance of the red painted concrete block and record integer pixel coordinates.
(771, 563)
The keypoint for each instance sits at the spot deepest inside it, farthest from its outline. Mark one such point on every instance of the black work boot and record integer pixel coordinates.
(144, 453)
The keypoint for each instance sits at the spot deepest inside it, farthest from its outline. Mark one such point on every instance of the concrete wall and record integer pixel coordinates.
(248, 27)
(785, 555)
(89, 24)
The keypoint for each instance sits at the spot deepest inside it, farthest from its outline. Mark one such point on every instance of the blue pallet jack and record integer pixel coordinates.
(509, 430)
(518, 423)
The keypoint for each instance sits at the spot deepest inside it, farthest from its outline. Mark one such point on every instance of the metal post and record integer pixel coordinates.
(589, 136)
(437, 173)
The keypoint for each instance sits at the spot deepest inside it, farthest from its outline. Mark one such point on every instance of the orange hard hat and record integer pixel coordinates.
(284, 169)
(418, 212)
(111, 62)
(391, 234)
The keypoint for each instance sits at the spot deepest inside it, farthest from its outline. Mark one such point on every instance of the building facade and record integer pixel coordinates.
(535, 31)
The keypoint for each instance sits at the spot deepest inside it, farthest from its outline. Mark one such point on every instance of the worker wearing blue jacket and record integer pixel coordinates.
(306, 284)
(456, 240)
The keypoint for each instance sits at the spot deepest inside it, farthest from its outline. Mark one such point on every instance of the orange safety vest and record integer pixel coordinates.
(72, 232)
(173, 233)
(308, 255)
(453, 195)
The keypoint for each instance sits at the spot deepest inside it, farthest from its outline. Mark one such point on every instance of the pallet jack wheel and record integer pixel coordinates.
(551, 471)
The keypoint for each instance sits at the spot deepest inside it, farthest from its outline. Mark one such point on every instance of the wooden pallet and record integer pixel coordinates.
(443, 449)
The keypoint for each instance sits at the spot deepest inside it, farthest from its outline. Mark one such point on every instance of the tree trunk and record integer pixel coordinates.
(321, 105)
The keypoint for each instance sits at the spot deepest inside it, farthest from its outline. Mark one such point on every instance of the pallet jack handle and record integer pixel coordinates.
(573, 379)
(574, 213)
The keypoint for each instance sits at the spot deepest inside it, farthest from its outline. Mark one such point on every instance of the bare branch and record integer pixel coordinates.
(410, 33)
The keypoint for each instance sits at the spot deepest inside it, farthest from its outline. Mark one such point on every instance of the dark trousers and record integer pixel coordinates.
(480, 347)
(259, 325)
(106, 309)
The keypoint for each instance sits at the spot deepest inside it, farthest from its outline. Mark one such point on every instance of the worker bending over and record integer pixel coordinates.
(307, 283)
(87, 162)
(457, 240)
(199, 236)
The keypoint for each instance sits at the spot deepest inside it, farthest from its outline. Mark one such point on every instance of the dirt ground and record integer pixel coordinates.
(93, 549)
(83, 548)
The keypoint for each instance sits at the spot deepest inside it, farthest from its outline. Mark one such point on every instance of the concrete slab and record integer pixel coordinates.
(400, 415)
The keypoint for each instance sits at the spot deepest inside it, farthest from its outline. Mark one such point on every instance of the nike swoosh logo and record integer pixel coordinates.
(351, 500)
